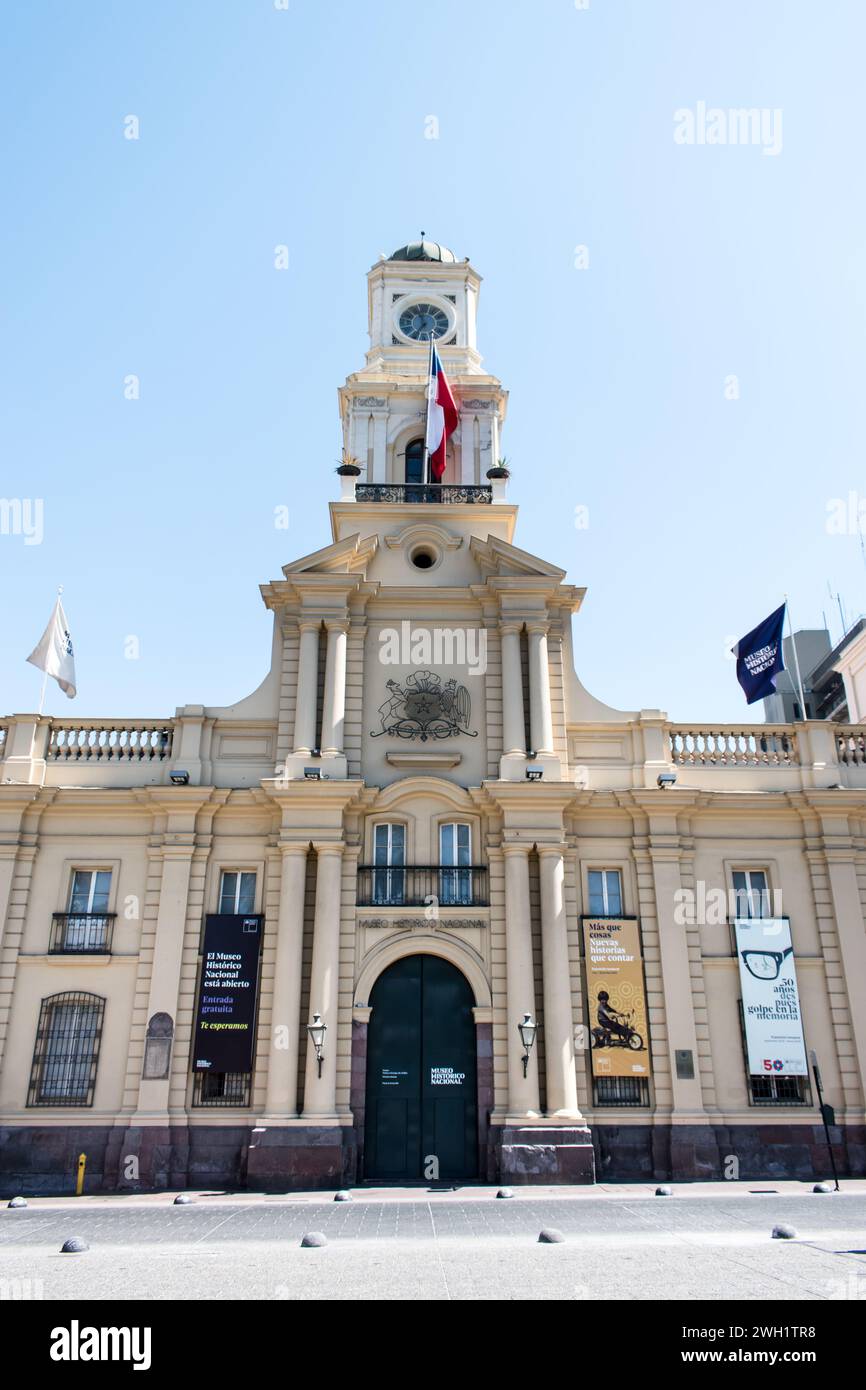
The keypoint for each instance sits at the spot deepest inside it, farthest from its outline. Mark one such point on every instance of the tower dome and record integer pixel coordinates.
(423, 251)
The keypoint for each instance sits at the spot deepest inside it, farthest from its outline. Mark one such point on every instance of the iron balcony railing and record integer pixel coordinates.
(423, 492)
(383, 885)
(81, 933)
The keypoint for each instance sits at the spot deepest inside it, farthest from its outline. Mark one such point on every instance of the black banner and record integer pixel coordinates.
(226, 1013)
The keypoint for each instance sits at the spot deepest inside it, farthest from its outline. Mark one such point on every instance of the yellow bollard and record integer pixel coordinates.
(82, 1164)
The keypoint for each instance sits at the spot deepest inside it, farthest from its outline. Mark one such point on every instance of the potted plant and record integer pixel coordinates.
(348, 467)
(500, 469)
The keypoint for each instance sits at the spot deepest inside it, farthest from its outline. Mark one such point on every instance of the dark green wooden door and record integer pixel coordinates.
(421, 1115)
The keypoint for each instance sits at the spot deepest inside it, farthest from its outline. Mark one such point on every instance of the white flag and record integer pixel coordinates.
(54, 653)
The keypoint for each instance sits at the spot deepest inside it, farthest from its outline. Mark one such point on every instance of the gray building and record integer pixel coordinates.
(823, 686)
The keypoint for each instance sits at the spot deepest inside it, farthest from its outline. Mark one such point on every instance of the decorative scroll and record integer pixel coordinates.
(425, 709)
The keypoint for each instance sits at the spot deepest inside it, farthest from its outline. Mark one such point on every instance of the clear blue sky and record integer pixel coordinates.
(260, 126)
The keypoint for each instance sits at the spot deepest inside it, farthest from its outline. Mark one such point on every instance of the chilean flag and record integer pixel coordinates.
(442, 416)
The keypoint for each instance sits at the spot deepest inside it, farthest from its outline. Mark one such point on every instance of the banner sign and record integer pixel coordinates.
(617, 1002)
(771, 1001)
(226, 1014)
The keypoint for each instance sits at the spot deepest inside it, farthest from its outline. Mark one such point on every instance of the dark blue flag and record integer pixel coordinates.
(759, 657)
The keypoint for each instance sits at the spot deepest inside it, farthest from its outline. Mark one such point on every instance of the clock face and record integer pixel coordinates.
(423, 322)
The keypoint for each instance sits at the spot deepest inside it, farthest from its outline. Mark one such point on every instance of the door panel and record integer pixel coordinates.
(421, 1082)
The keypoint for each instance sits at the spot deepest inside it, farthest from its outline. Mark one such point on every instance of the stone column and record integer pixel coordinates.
(308, 677)
(320, 1092)
(8, 857)
(513, 726)
(282, 1092)
(558, 1017)
(540, 717)
(334, 706)
(842, 873)
(520, 992)
(676, 981)
(167, 961)
(467, 447)
(380, 447)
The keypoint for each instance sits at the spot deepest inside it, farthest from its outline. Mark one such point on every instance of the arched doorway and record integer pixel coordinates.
(421, 1113)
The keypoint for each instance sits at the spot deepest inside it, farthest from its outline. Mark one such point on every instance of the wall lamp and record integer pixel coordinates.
(312, 774)
(667, 779)
(317, 1030)
(179, 778)
(527, 1030)
(534, 774)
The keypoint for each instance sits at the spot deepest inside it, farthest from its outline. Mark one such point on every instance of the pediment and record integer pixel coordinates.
(499, 558)
(349, 556)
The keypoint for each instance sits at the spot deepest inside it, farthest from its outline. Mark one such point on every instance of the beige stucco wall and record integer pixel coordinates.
(799, 814)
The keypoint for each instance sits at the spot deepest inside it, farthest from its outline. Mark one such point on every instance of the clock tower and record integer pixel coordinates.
(419, 292)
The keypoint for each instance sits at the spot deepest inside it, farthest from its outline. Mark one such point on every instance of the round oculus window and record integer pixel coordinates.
(423, 559)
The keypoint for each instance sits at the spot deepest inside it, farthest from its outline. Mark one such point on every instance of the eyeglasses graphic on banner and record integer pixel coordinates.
(765, 965)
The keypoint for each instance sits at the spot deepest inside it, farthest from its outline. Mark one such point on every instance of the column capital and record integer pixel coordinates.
(309, 624)
(550, 851)
(510, 627)
(516, 847)
(337, 624)
(538, 625)
(328, 847)
(289, 847)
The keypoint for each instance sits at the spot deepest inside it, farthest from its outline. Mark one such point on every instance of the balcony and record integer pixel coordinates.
(460, 493)
(81, 933)
(417, 886)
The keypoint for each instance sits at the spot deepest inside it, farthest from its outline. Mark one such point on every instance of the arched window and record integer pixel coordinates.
(455, 859)
(415, 461)
(389, 858)
(67, 1050)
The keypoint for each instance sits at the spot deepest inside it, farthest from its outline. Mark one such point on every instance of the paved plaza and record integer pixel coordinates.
(708, 1242)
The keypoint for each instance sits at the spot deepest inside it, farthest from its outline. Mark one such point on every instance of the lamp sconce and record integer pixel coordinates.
(528, 1030)
(317, 1030)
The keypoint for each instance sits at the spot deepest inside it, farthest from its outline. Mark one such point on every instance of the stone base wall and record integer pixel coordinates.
(635, 1153)
(42, 1160)
(544, 1154)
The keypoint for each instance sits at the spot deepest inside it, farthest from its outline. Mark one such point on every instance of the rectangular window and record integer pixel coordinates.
(67, 1050)
(605, 893)
(238, 892)
(90, 889)
(85, 926)
(779, 1090)
(620, 1090)
(217, 1088)
(389, 857)
(751, 893)
(455, 858)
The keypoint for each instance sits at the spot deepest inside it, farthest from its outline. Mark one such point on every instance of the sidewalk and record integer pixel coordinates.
(470, 1193)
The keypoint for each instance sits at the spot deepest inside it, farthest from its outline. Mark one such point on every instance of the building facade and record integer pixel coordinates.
(476, 924)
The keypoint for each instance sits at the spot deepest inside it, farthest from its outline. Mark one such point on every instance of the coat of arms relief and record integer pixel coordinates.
(425, 708)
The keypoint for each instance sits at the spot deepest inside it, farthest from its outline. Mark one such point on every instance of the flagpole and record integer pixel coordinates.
(796, 661)
(45, 673)
(427, 413)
